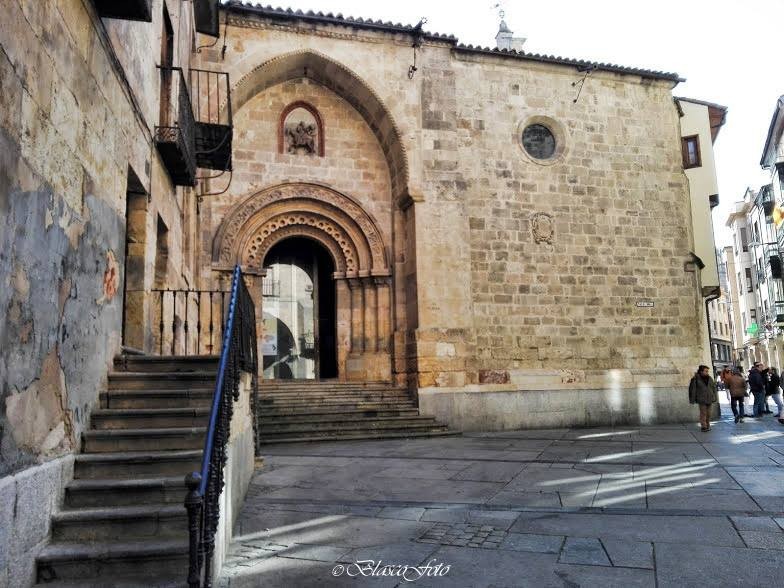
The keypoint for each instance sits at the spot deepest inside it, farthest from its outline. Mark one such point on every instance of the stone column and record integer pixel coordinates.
(383, 314)
(357, 316)
(371, 315)
(343, 318)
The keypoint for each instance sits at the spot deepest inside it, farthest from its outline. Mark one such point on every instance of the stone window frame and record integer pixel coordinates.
(316, 115)
(555, 127)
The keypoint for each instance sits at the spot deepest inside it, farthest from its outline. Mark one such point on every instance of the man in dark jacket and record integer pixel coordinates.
(757, 385)
(702, 391)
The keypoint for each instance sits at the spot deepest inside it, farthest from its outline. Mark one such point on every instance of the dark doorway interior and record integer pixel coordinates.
(300, 312)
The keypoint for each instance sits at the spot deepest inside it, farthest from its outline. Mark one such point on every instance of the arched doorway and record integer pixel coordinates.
(300, 311)
(361, 276)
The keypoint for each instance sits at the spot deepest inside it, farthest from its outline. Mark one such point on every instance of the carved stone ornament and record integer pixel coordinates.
(301, 131)
(542, 228)
(336, 220)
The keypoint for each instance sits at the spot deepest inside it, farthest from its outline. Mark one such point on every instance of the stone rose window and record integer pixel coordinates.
(301, 131)
(539, 141)
(542, 139)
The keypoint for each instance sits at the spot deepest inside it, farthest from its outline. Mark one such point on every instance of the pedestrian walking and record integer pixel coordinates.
(774, 391)
(702, 391)
(757, 386)
(736, 390)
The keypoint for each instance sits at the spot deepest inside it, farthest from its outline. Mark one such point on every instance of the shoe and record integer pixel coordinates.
(781, 421)
(737, 418)
(703, 429)
(768, 412)
(741, 420)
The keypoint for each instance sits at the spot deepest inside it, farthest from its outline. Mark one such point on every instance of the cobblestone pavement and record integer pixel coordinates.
(628, 506)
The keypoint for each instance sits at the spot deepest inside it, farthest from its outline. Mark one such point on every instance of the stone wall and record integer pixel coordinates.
(513, 273)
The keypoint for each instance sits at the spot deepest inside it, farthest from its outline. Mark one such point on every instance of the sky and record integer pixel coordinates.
(728, 51)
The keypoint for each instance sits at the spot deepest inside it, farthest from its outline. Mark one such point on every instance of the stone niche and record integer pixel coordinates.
(301, 131)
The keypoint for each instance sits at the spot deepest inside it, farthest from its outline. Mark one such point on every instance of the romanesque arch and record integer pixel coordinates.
(353, 239)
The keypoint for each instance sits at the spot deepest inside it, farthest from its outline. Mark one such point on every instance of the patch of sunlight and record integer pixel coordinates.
(614, 400)
(303, 526)
(645, 406)
(737, 439)
(612, 456)
(622, 485)
(613, 433)
(650, 492)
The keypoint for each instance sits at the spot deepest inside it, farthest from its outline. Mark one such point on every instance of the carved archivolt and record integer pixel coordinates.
(301, 209)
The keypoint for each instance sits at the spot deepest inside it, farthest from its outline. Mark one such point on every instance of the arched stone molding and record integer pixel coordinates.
(362, 271)
(345, 83)
(323, 213)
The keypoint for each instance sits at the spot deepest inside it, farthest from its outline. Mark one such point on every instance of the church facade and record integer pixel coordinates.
(507, 235)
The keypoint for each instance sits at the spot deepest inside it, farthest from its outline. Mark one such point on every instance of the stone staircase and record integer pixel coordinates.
(311, 410)
(123, 522)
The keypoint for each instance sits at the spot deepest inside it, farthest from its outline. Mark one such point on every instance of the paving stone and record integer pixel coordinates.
(678, 529)
(502, 519)
(755, 524)
(679, 565)
(630, 554)
(449, 515)
(492, 471)
(409, 513)
(763, 540)
(584, 551)
(700, 499)
(532, 543)
(780, 522)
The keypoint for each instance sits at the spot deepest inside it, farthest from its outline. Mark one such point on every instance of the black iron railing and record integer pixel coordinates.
(210, 97)
(175, 137)
(189, 322)
(238, 355)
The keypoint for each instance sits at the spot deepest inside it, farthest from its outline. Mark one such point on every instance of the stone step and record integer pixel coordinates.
(112, 440)
(270, 426)
(152, 398)
(161, 380)
(151, 562)
(166, 363)
(282, 409)
(144, 464)
(305, 429)
(332, 415)
(337, 393)
(318, 389)
(117, 582)
(407, 434)
(306, 400)
(130, 492)
(156, 418)
(120, 523)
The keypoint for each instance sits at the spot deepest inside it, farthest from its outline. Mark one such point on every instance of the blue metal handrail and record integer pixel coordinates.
(218, 394)
(238, 353)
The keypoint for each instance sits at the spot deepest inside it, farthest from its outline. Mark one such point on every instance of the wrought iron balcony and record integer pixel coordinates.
(125, 9)
(175, 137)
(212, 110)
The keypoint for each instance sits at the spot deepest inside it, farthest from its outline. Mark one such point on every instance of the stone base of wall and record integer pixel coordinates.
(27, 501)
(369, 367)
(476, 408)
(236, 475)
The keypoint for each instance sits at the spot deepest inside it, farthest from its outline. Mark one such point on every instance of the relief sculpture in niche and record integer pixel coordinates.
(301, 132)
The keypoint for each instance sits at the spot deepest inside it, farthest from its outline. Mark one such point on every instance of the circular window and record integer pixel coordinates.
(539, 141)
